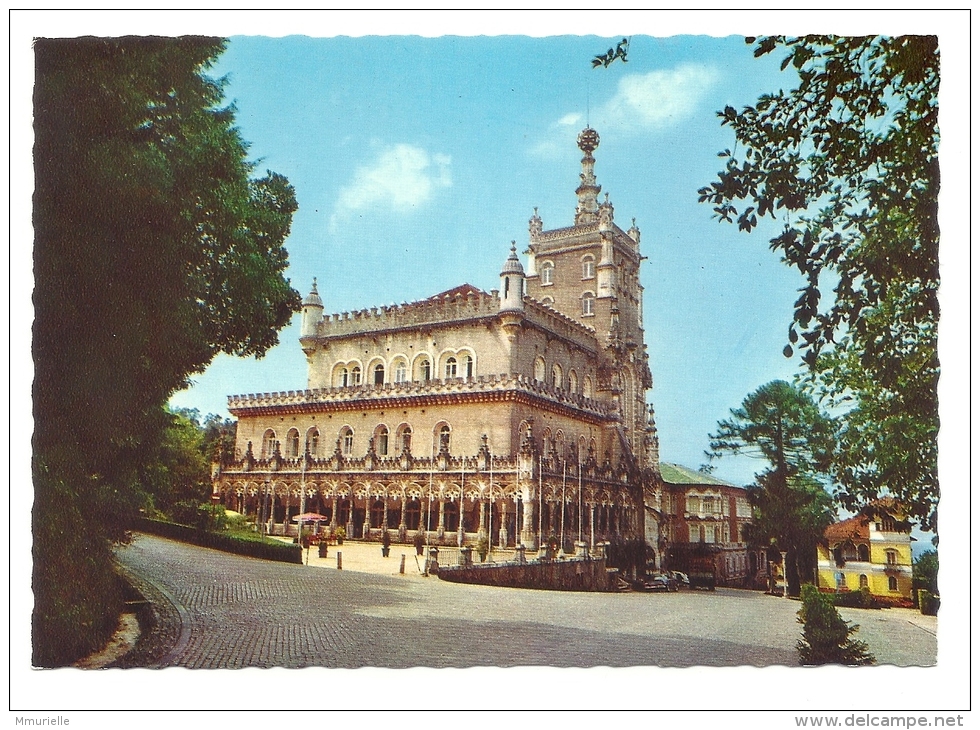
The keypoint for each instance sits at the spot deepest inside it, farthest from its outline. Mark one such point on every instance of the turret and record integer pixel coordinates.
(312, 313)
(512, 283)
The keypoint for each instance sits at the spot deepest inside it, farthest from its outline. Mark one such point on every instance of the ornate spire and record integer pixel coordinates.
(587, 191)
(313, 298)
(535, 226)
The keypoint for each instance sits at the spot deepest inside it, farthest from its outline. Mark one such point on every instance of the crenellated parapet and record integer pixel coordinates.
(456, 307)
(483, 387)
(560, 324)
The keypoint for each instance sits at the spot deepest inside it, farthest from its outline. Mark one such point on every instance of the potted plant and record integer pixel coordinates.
(385, 543)
(482, 548)
(340, 534)
(419, 542)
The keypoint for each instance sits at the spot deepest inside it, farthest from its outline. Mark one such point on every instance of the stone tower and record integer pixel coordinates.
(590, 272)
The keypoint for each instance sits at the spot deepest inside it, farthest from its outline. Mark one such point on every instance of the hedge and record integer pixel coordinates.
(282, 552)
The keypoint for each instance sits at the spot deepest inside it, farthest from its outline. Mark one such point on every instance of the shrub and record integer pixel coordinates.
(856, 599)
(928, 603)
(826, 636)
(239, 543)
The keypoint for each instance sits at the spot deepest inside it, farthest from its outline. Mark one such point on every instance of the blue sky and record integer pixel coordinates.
(485, 126)
(417, 160)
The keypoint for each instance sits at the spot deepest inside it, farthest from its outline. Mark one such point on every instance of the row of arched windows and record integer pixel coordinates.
(384, 445)
(557, 379)
(547, 270)
(459, 364)
(587, 299)
(291, 447)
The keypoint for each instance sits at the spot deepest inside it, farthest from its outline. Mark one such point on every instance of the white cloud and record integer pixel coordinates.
(402, 177)
(659, 98)
(570, 120)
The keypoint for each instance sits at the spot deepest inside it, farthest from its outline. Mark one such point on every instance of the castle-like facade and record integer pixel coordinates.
(518, 415)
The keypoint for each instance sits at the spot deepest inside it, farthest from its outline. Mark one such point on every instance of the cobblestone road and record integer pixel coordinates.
(242, 612)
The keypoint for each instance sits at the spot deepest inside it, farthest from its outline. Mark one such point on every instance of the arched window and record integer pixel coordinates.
(539, 369)
(451, 368)
(343, 378)
(381, 441)
(292, 443)
(401, 371)
(572, 381)
(862, 581)
(355, 375)
(405, 438)
(547, 273)
(425, 370)
(467, 366)
(548, 302)
(891, 557)
(892, 583)
(864, 554)
(588, 304)
(347, 440)
(313, 441)
(588, 266)
(268, 443)
(587, 387)
(444, 437)
(557, 378)
(379, 374)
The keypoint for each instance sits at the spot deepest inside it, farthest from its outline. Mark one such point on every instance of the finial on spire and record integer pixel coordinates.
(588, 190)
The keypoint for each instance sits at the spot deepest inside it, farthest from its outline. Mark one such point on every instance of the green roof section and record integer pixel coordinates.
(676, 474)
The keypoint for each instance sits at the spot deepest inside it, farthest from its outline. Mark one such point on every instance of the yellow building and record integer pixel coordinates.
(513, 415)
(870, 550)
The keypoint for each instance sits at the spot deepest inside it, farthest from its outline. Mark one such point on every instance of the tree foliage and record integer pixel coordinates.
(155, 249)
(848, 161)
(925, 572)
(826, 636)
(782, 425)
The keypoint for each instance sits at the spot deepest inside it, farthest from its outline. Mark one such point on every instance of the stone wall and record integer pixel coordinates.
(576, 574)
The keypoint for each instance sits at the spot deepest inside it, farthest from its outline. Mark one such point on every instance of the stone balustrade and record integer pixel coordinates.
(366, 393)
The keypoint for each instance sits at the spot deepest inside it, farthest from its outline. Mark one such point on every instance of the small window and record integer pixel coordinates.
(292, 441)
(572, 381)
(401, 372)
(864, 554)
(557, 378)
(539, 369)
(892, 583)
(588, 304)
(548, 302)
(343, 379)
(451, 368)
(268, 443)
(425, 370)
(444, 438)
(313, 441)
(547, 273)
(379, 374)
(863, 581)
(891, 557)
(347, 441)
(588, 267)
(381, 442)
(355, 375)
(467, 366)
(406, 439)
(587, 387)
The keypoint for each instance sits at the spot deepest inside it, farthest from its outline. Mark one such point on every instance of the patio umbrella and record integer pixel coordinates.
(310, 517)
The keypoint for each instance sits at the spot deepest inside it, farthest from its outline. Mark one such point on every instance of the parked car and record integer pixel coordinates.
(680, 578)
(661, 582)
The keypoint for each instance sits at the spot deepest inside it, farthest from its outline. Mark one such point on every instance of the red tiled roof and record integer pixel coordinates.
(854, 528)
(458, 291)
